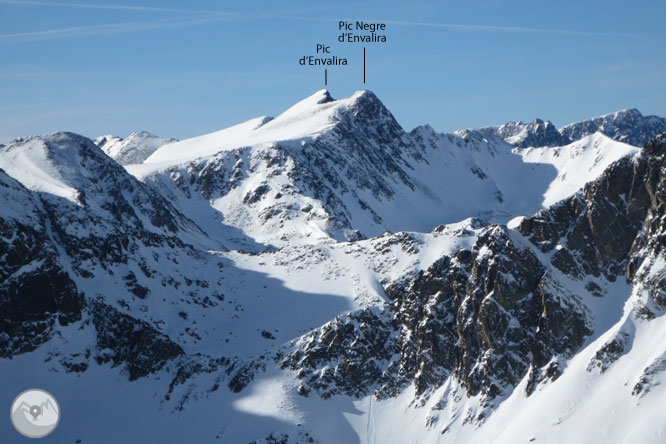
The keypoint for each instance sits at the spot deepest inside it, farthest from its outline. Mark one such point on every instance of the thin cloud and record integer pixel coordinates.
(112, 28)
(107, 6)
(496, 28)
(199, 18)
(202, 18)
(159, 9)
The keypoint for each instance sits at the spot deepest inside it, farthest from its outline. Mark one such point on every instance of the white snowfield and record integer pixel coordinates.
(576, 164)
(308, 118)
(290, 265)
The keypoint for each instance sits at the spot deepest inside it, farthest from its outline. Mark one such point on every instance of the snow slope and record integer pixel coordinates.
(308, 118)
(32, 167)
(577, 163)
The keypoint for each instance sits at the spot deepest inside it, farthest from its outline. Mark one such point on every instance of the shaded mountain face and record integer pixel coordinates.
(256, 284)
(77, 227)
(627, 126)
(36, 290)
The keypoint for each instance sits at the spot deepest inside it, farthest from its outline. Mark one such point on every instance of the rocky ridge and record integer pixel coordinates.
(628, 126)
(535, 134)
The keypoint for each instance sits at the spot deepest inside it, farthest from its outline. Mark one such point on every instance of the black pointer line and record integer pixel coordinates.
(364, 64)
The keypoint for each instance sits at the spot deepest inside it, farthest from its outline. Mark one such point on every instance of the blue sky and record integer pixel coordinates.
(181, 69)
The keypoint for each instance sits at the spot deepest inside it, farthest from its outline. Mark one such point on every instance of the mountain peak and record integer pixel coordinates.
(309, 106)
(141, 134)
(324, 96)
(309, 118)
(50, 163)
(633, 112)
(535, 134)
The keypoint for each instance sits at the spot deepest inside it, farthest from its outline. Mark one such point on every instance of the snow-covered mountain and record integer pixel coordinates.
(535, 134)
(136, 148)
(324, 276)
(328, 170)
(628, 126)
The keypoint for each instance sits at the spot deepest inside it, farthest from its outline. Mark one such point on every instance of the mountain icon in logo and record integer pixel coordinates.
(35, 413)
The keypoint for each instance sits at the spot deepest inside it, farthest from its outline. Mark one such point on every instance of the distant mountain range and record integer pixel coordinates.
(325, 276)
(626, 126)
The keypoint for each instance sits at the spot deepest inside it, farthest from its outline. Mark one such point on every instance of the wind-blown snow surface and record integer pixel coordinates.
(308, 118)
(32, 167)
(211, 284)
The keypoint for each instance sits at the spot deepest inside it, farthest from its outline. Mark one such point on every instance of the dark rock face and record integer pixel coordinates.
(352, 146)
(613, 226)
(35, 291)
(593, 232)
(461, 310)
(647, 379)
(302, 437)
(485, 315)
(131, 342)
(651, 245)
(31, 305)
(346, 355)
(114, 218)
(627, 126)
(609, 353)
